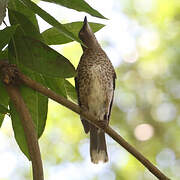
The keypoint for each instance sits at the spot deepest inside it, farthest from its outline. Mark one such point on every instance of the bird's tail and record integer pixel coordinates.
(98, 150)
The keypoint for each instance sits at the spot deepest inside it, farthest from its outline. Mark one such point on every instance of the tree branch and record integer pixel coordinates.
(9, 74)
(47, 92)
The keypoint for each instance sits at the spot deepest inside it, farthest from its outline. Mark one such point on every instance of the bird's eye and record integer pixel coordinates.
(81, 34)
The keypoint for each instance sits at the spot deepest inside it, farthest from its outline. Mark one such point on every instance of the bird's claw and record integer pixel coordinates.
(102, 124)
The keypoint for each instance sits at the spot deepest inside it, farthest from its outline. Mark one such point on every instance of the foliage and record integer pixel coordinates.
(147, 91)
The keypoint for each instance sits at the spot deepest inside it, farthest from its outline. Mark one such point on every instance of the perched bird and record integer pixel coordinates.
(95, 84)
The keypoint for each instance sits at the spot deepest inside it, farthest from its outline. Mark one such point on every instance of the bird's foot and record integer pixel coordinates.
(83, 109)
(102, 124)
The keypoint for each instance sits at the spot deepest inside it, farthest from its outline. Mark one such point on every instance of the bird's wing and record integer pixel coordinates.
(85, 123)
(114, 78)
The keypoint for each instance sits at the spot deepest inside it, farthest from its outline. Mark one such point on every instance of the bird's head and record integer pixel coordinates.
(87, 36)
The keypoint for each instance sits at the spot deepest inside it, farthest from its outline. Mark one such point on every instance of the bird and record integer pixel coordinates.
(95, 85)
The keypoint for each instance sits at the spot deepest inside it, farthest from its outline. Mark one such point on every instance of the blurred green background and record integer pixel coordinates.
(142, 39)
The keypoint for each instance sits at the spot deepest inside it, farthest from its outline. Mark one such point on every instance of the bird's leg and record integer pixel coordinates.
(103, 122)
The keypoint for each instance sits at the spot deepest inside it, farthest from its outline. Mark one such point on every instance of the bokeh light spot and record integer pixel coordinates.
(143, 132)
(130, 57)
(166, 112)
(166, 158)
(124, 100)
(173, 86)
(176, 168)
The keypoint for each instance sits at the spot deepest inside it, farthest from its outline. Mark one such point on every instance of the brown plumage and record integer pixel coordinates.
(95, 84)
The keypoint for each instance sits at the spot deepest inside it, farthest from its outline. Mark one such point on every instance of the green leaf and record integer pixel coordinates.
(51, 20)
(42, 107)
(79, 5)
(37, 105)
(26, 26)
(41, 58)
(36, 55)
(18, 6)
(62, 87)
(4, 98)
(52, 36)
(6, 35)
(3, 109)
(70, 90)
(56, 85)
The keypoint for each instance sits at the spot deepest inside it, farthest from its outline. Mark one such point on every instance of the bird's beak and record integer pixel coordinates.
(85, 20)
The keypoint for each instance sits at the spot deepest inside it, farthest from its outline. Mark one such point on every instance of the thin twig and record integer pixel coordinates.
(63, 101)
